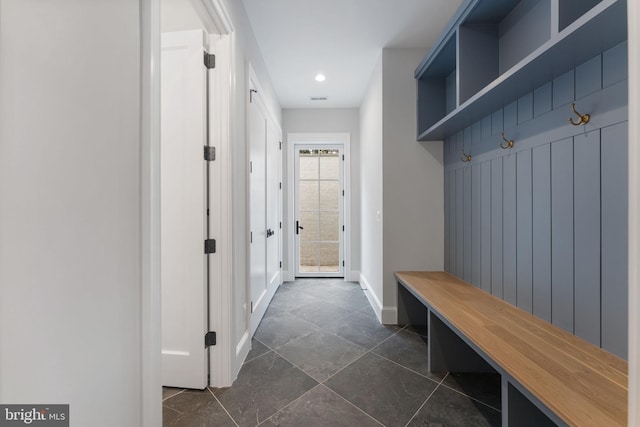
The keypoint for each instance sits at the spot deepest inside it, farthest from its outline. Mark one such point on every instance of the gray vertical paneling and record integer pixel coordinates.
(452, 222)
(496, 227)
(447, 213)
(459, 222)
(476, 132)
(497, 122)
(511, 115)
(562, 234)
(542, 100)
(468, 139)
(525, 231)
(476, 227)
(486, 127)
(541, 208)
(485, 226)
(589, 77)
(614, 238)
(563, 89)
(509, 229)
(467, 224)
(459, 137)
(586, 198)
(614, 65)
(525, 107)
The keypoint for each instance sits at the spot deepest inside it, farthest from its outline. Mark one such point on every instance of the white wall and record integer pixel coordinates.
(327, 120)
(246, 51)
(413, 179)
(401, 178)
(371, 189)
(179, 15)
(634, 214)
(70, 247)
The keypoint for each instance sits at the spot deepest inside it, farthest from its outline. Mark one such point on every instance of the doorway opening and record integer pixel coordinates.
(318, 231)
(319, 211)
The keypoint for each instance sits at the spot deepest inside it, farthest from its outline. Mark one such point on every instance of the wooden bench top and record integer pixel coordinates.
(583, 384)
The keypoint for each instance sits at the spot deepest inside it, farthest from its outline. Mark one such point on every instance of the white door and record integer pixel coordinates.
(257, 208)
(319, 207)
(274, 189)
(264, 208)
(183, 210)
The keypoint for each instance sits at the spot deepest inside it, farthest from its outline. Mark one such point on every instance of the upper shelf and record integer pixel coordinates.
(496, 51)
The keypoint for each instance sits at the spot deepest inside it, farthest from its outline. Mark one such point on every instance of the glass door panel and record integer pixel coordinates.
(319, 205)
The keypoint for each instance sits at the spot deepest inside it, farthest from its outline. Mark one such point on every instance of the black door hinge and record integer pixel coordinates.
(343, 263)
(209, 339)
(251, 237)
(343, 157)
(281, 186)
(209, 61)
(251, 92)
(280, 224)
(280, 264)
(210, 246)
(281, 145)
(209, 153)
(343, 228)
(342, 193)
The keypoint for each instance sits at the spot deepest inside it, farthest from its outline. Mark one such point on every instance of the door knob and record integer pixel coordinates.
(270, 232)
(298, 227)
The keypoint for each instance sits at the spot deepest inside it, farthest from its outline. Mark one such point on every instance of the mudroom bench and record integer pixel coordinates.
(549, 376)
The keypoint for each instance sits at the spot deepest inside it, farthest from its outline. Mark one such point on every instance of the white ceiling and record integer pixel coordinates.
(342, 39)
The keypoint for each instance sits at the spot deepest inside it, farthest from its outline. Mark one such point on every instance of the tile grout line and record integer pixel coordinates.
(356, 359)
(423, 403)
(222, 406)
(352, 404)
(409, 369)
(471, 397)
(288, 404)
(174, 395)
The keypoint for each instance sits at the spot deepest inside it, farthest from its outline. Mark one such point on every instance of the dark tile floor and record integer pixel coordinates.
(321, 358)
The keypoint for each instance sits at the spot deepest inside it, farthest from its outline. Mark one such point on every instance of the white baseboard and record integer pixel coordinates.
(371, 296)
(387, 315)
(288, 276)
(352, 276)
(242, 350)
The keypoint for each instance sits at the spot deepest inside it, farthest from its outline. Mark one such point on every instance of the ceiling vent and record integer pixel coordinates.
(318, 98)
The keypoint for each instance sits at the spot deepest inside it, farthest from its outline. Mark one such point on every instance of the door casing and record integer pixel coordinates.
(315, 139)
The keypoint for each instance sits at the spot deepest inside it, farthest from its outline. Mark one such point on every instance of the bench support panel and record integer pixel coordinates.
(449, 353)
(411, 311)
(519, 411)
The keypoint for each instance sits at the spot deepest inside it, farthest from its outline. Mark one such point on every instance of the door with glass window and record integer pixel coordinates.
(319, 204)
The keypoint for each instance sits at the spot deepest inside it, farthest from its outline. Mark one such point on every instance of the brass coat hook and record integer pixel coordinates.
(466, 158)
(508, 141)
(583, 118)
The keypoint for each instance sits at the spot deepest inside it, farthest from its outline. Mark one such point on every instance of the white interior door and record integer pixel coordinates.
(258, 222)
(264, 208)
(183, 210)
(319, 206)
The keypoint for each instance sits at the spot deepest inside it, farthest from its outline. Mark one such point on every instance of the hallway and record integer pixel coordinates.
(321, 358)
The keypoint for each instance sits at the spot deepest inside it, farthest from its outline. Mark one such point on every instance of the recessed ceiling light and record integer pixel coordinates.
(321, 77)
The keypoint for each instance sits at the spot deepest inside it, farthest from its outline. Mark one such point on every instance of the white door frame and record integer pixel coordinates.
(296, 210)
(258, 308)
(294, 139)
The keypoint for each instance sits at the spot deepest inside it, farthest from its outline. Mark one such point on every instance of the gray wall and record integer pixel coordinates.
(544, 225)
